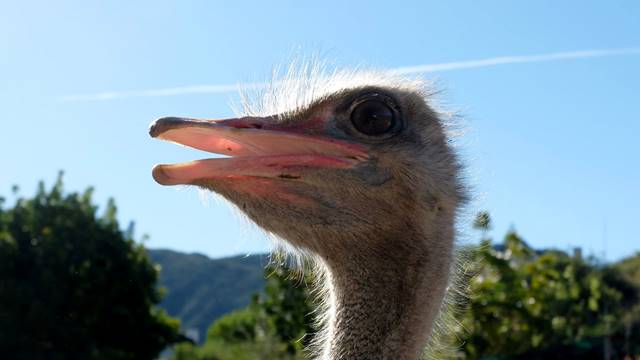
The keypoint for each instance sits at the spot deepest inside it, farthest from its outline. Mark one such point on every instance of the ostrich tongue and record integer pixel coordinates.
(258, 149)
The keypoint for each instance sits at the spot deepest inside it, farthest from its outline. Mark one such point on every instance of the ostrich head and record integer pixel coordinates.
(354, 169)
(368, 157)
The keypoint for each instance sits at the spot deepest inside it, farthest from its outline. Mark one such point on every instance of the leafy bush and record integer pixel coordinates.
(75, 286)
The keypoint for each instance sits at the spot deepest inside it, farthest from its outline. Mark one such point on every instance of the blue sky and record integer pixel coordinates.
(552, 147)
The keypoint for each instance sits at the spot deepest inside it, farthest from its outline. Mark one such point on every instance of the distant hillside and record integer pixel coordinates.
(200, 289)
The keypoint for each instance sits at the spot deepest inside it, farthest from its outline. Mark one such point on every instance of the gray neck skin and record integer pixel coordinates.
(382, 305)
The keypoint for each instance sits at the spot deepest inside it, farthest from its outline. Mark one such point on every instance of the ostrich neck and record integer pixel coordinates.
(382, 304)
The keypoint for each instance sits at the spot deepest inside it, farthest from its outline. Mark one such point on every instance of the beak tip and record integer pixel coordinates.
(160, 176)
(163, 124)
(152, 131)
(155, 128)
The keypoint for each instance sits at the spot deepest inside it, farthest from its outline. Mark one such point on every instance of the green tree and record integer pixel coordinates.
(75, 286)
(289, 308)
(541, 304)
(482, 221)
(277, 324)
(628, 271)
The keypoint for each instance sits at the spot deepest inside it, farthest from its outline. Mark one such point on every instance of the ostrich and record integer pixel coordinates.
(354, 171)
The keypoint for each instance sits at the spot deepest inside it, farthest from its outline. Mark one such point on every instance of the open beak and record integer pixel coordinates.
(258, 148)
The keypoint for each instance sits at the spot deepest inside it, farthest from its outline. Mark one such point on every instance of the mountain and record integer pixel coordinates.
(198, 290)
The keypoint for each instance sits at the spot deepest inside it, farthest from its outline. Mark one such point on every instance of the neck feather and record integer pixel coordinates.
(382, 304)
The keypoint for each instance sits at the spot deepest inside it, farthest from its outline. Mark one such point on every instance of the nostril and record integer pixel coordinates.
(244, 123)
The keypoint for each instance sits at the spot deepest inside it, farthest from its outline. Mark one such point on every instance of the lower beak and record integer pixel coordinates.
(258, 146)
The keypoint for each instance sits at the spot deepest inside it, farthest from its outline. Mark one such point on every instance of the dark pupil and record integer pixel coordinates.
(372, 118)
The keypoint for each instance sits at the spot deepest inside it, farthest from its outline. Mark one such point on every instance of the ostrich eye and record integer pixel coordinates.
(373, 117)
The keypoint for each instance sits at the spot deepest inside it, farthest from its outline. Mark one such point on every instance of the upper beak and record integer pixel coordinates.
(260, 148)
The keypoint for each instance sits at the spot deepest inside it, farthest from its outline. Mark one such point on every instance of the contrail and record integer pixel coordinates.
(179, 90)
(502, 60)
(418, 69)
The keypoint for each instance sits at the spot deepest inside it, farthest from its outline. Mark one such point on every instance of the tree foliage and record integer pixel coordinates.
(546, 304)
(523, 301)
(277, 324)
(75, 286)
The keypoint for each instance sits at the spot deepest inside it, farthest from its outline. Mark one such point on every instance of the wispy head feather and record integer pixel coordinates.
(306, 82)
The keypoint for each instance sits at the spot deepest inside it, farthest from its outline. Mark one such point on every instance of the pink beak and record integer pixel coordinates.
(259, 148)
